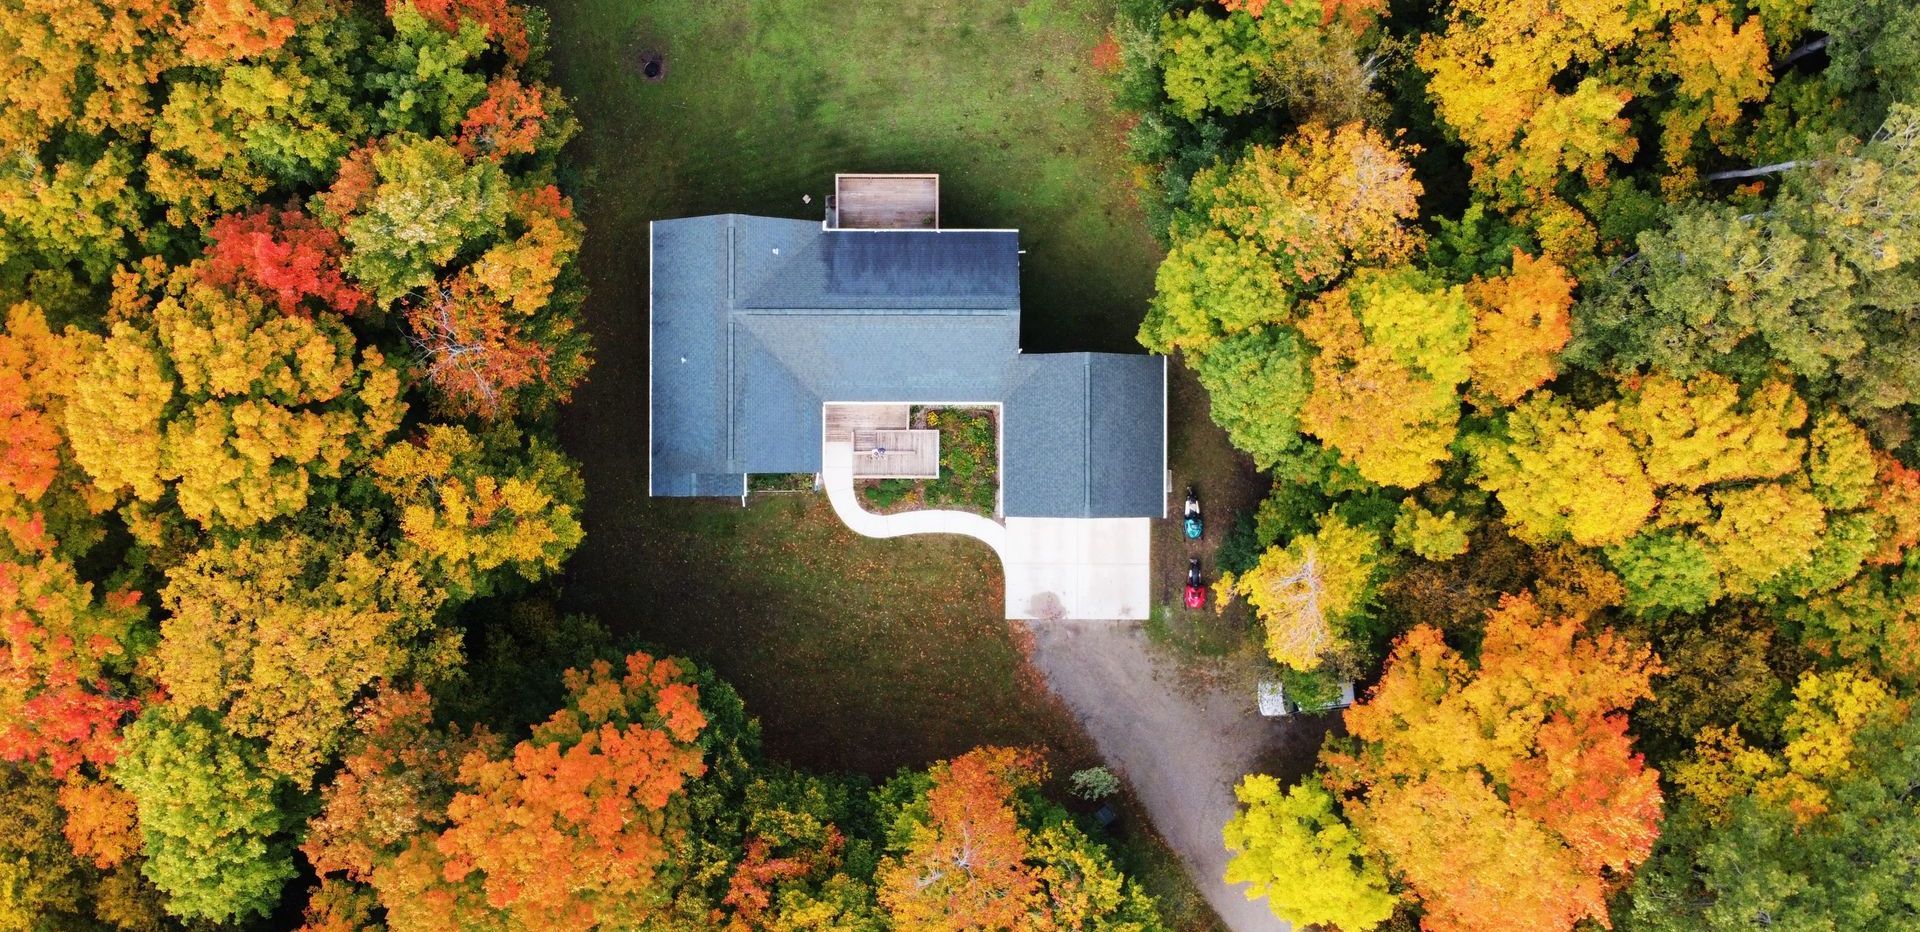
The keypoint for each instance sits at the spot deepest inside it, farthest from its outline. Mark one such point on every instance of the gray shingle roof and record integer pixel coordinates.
(756, 322)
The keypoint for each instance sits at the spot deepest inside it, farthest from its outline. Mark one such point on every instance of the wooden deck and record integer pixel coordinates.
(844, 419)
(896, 454)
(886, 202)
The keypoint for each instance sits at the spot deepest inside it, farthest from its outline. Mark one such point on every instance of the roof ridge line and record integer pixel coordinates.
(733, 454)
(1086, 436)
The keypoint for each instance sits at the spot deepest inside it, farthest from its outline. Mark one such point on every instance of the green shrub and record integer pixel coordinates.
(887, 493)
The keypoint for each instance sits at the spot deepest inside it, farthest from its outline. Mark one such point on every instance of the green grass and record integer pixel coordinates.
(856, 654)
(761, 103)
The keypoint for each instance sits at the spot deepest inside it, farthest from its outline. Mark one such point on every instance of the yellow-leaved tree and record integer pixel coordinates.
(1392, 354)
(1309, 592)
(228, 404)
(240, 639)
(1562, 473)
(473, 508)
(1829, 710)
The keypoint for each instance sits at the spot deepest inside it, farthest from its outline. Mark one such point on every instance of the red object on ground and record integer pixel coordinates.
(1196, 596)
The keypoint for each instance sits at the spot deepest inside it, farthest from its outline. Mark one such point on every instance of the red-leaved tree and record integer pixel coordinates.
(475, 354)
(63, 662)
(286, 255)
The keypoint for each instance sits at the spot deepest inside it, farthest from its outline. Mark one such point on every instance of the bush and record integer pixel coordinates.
(887, 493)
(969, 460)
(1094, 783)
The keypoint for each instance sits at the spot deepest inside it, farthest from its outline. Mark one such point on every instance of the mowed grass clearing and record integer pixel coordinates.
(856, 654)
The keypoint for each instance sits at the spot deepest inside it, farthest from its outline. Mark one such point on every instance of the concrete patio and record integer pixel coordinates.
(1055, 568)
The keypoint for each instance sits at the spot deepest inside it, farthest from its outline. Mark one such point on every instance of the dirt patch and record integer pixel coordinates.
(1207, 642)
(1181, 746)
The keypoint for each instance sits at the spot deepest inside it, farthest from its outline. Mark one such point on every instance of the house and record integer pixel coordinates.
(759, 326)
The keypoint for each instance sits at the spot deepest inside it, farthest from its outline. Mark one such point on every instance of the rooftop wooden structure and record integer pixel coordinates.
(884, 444)
(896, 454)
(884, 202)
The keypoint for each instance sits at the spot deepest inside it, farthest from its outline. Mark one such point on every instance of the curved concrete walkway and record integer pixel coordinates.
(1091, 568)
(836, 473)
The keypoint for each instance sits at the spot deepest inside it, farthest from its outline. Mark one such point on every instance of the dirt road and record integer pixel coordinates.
(1181, 746)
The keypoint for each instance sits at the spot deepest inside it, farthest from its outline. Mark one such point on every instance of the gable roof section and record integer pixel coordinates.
(788, 265)
(756, 322)
(692, 433)
(1126, 435)
(1084, 437)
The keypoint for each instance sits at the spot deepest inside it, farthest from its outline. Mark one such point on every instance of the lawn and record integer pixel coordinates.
(856, 654)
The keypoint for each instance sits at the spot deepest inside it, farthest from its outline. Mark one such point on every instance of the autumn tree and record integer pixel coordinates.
(408, 207)
(1211, 63)
(1707, 431)
(210, 814)
(473, 351)
(284, 254)
(1873, 620)
(1520, 323)
(514, 118)
(237, 638)
(1391, 353)
(473, 510)
(1277, 222)
(46, 504)
(574, 829)
(1435, 536)
(970, 846)
(1505, 794)
(46, 885)
(67, 680)
(803, 862)
(1311, 593)
(399, 771)
(1325, 201)
(221, 31)
(1565, 473)
(1539, 143)
(1294, 850)
(428, 74)
(84, 70)
(500, 20)
(81, 65)
(234, 408)
(962, 863)
(1827, 819)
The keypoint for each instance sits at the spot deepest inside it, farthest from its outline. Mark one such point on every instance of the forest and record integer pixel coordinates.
(1579, 341)
(292, 294)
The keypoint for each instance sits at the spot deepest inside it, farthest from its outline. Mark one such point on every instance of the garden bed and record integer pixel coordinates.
(782, 482)
(969, 477)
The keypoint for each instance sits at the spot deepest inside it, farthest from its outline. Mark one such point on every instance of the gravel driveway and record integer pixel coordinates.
(1181, 746)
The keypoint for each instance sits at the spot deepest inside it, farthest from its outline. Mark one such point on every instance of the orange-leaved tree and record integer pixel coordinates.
(573, 828)
(66, 660)
(1505, 794)
(964, 864)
